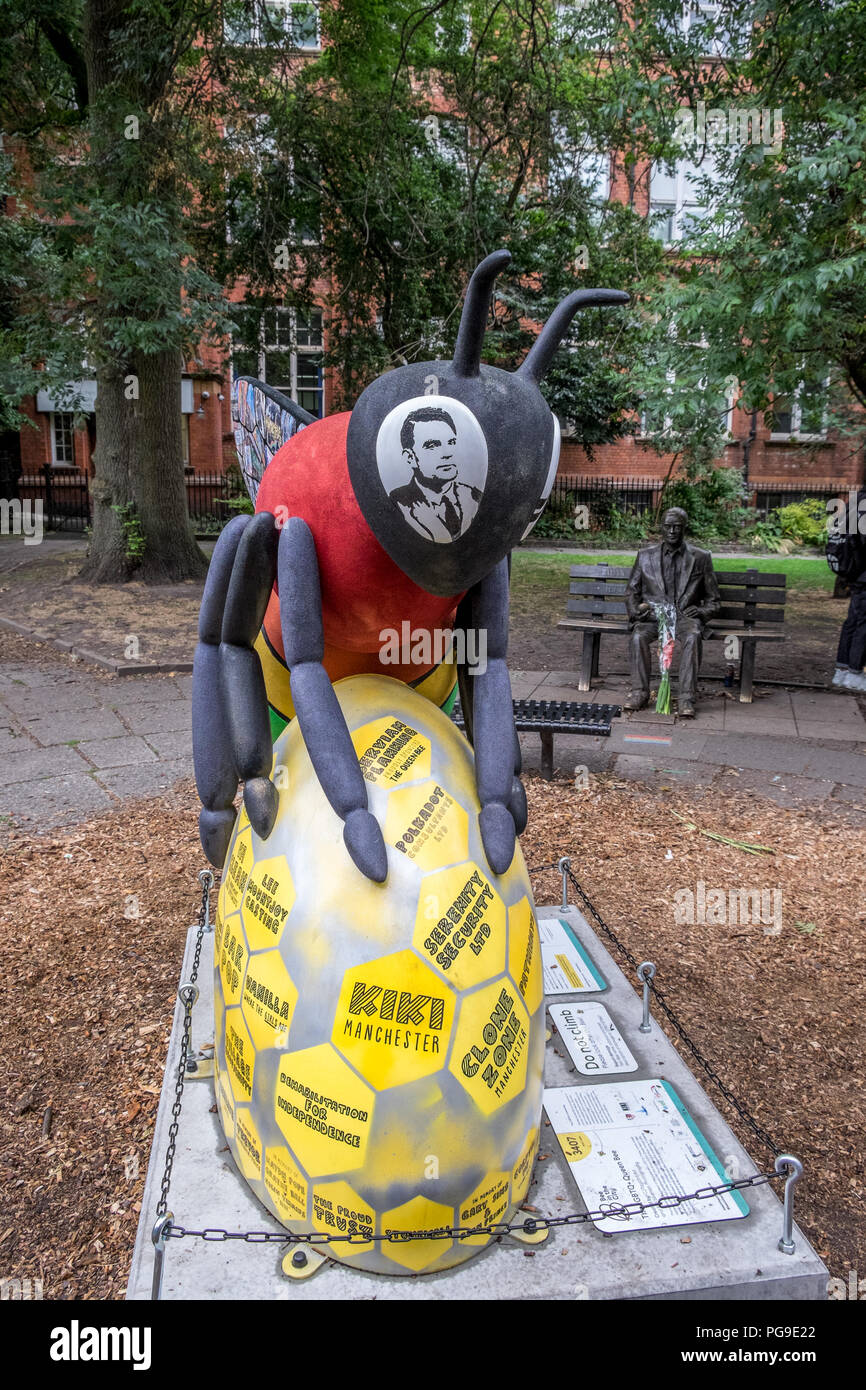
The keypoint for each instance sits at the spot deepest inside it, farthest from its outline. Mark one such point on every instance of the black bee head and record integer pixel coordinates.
(452, 462)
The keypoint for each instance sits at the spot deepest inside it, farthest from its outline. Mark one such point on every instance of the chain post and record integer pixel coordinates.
(206, 880)
(564, 865)
(159, 1235)
(166, 1228)
(188, 994)
(646, 973)
(757, 1129)
(794, 1173)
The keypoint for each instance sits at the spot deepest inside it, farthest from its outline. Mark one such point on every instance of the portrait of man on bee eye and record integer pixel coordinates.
(434, 501)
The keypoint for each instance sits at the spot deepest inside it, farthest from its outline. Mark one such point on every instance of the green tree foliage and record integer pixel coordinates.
(766, 290)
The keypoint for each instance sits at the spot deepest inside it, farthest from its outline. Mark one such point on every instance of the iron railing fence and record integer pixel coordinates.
(214, 498)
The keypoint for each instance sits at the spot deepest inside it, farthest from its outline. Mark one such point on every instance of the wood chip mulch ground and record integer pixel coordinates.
(93, 922)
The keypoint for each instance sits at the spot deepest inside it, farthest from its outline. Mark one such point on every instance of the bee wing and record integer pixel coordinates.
(263, 420)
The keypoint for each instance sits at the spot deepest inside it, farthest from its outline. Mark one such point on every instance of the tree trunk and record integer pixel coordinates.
(140, 522)
(170, 551)
(108, 562)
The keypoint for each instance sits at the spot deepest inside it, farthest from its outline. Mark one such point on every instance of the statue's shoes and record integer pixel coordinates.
(686, 709)
(636, 699)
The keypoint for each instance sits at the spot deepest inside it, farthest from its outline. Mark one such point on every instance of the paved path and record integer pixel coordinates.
(74, 744)
(791, 746)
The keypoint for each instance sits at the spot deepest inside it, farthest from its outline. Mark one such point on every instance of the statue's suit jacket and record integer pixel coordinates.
(696, 582)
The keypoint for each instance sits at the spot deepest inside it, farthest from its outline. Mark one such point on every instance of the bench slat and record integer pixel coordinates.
(587, 587)
(599, 572)
(773, 581)
(604, 606)
(591, 624)
(730, 594)
(757, 613)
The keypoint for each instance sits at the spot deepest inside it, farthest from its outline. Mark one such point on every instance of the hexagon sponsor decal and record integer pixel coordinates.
(486, 1205)
(522, 1170)
(249, 1143)
(524, 954)
(425, 823)
(240, 1055)
(269, 999)
(225, 1101)
(338, 1208)
(233, 960)
(323, 1109)
(419, 1214)
(460, 926)
(491, 1045)
(393, 1019)
(391, 753)
(218, 1014)
(286, 1185)
(218, 924)
(268, 900)
(237, 872)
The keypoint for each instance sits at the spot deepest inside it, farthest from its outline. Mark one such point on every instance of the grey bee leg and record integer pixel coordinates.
(242, 682)
(323, 726)
(215, 774)
(466, 684)
(493, 719)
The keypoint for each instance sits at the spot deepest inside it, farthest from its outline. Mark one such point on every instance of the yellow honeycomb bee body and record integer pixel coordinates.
(379, 1046)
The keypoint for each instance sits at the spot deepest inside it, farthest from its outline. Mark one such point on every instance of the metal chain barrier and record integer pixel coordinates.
(754, 1125)
(188, 994)
(529, 1226)
(165, 1227)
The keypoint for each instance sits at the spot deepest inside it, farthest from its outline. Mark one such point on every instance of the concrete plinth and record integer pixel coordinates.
(714, 1260)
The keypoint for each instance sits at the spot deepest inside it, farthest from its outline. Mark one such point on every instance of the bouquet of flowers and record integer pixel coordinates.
(666, 617)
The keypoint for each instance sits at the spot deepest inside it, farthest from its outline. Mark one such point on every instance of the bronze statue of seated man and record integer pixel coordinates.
(680, 574)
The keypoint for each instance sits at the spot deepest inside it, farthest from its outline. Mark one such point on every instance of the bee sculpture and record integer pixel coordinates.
(403, 510)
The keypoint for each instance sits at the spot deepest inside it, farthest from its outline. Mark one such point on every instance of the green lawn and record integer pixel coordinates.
(537, 571)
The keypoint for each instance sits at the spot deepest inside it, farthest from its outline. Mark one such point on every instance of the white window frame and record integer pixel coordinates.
(291, 348)
(709, 9)
(683, 168)
(259, 37)
(583, 159)
(465, 42)
(57, 416)
(644, 433)
(598, 42)
(432, 127)
(795, 434)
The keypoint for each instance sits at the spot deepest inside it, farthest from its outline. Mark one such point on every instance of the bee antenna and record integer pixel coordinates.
(537, 360)
(473, 321)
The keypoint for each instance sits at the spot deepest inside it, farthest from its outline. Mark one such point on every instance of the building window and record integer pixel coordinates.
(184, 435)
(449, 138)
(577, 162)
(704, 21)
(589, 24)
(62, 440)
(801, 416)
(679, 204)
(655, 417)
(283, 348)
(261, 22)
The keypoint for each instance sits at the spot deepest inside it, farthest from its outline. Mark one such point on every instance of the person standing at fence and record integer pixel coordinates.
(848, 548)
(671, 573)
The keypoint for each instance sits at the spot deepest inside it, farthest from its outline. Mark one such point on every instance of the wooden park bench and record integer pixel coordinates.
(753, 610)
(549, 717)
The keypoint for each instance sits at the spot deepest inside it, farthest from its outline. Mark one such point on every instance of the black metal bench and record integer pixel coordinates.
(549, 717)
(753, 610)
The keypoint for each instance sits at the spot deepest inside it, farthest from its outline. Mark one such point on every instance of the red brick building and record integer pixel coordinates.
(799, 454)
